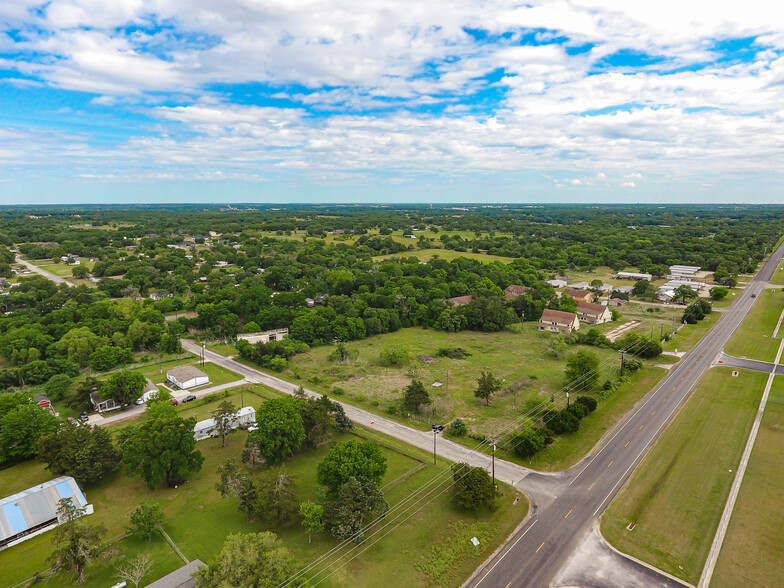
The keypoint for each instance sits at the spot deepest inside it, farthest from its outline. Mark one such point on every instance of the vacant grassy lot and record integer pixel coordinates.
(516, 357)
(198, 520)
(731, 297)
(224, 350)
(754, 338)
(447, 254)
(677, 495)
(752, 554)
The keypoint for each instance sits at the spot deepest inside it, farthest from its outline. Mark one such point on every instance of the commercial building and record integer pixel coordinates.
(633, 276)
(266, 336)
(683, 272)
(187, 376)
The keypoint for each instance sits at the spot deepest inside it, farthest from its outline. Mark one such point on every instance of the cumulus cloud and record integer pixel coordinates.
(339, 90)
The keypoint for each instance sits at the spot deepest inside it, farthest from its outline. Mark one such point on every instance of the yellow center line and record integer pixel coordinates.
(683, 378)
(665, 400)
(542, 545)
(690, 369)
(653, 413)
(673, 388)
(568, 513)
(627, 444)
(641, 426)
(507, 586)
(609, 464)
(592, 485)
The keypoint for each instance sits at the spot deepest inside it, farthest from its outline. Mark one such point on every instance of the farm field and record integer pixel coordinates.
(198, 520)
(754, 339)
(751, 554)
(678, 493)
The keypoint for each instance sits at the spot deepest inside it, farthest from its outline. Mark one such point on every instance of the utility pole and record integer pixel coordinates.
(447, 380)
(436, 430)
(567, 400)
(494, 463)
(623, 353)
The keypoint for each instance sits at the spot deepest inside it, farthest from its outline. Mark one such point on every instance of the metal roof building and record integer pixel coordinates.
(34, 510)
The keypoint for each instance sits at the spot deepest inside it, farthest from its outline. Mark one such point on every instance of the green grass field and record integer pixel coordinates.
(778, 276)
(198, 520)
(689, 335)
(218, 375)
(752, 554)
(224, 350)
(754, 338)
(731, 297)
(446, 254)
(511, 356)
(677, 495)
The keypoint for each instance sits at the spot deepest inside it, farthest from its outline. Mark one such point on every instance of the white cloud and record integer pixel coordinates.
(628, 185)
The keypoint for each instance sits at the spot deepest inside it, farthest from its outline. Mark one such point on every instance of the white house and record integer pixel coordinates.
(187, 376)
(206, 428)
(557, 283)
(266, 336)
(148, 392)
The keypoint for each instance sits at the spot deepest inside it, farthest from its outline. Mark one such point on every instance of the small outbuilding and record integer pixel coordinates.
(187, 376)
(514, 291)
(461, 300)
(557, 283)
(180, 578)
(42, 400)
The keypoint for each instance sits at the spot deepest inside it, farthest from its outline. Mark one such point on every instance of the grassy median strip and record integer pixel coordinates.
(752, 554)
(676, 497)
(754, 338)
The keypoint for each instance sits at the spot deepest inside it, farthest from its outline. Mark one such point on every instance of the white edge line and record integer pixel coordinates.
(507, 552)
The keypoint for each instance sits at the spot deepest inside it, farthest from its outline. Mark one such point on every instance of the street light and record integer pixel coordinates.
(436, 430)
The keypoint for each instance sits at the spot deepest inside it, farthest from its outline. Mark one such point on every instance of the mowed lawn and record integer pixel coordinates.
(754, 339)
(218, 374)
(689, 335)
(752, 553)
(198, 519)
(778, 276)
(677, 495)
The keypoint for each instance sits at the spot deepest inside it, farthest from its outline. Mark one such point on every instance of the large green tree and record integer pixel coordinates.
(362, 460)
(146, 519)
(582, 370)
(280, 430)
(84, 452)
(249, 560)
(224, 417)
(76, 544)
(474, 488)
(355, 502)
(416, 395)
(162, 448)
(123, 387)
(235, 481)
(20, 430)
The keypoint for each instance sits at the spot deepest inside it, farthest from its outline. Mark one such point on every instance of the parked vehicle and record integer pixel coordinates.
(83, 417)
(189, 397)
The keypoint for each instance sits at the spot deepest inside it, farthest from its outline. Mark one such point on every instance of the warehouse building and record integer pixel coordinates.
(34, 511)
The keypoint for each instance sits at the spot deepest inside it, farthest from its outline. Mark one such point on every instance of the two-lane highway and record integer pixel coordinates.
(536, 552)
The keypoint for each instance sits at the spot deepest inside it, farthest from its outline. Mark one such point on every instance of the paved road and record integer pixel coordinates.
(137, 410)
(750, 364)
(43, 272)
(533, 556)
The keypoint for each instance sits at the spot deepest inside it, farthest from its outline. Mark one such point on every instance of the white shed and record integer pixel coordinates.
(187, 376)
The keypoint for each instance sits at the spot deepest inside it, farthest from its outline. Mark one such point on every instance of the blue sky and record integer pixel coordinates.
(262, 100)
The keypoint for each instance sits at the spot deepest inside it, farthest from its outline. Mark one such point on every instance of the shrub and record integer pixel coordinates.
(578, 410)
(452, 352)
(457, 428)
(588, 402)
(338, 391)
(563, 422)
(392, 409)
(393, 356)
(528, 443)
(608, 385)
